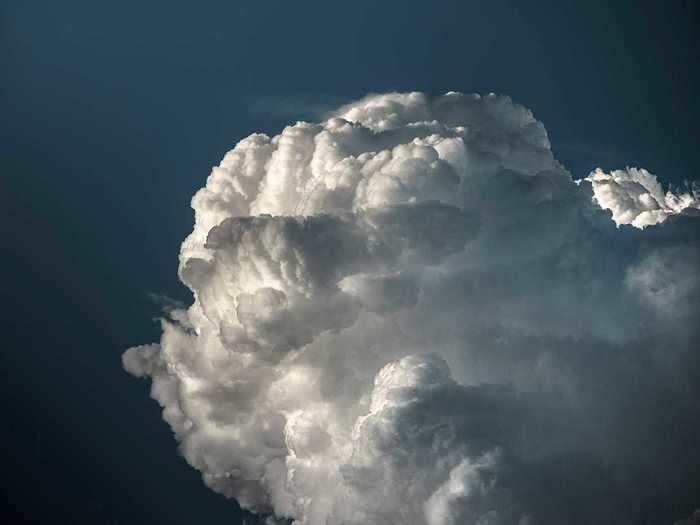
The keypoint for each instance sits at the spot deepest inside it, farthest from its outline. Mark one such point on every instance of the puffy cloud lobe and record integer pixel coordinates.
(635, 197)
(472, 495)
(410, 313)
(412, 437)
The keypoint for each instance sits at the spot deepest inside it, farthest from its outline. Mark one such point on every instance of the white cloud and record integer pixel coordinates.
(635, 197)
(410, 313)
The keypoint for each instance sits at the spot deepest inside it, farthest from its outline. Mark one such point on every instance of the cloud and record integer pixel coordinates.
(692, 520)
(410, 313)
(635, 197)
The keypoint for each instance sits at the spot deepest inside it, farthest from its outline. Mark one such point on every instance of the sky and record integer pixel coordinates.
(114, 114)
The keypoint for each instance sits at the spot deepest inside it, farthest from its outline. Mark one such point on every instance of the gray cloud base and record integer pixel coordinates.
(410, 313)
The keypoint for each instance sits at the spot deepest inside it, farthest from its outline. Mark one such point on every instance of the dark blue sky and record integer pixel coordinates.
(113, 114)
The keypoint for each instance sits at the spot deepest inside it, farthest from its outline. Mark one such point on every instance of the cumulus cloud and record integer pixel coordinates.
(635, 197)
(410, 313)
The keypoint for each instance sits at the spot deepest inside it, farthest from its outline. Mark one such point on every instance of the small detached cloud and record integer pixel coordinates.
(635, 197)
